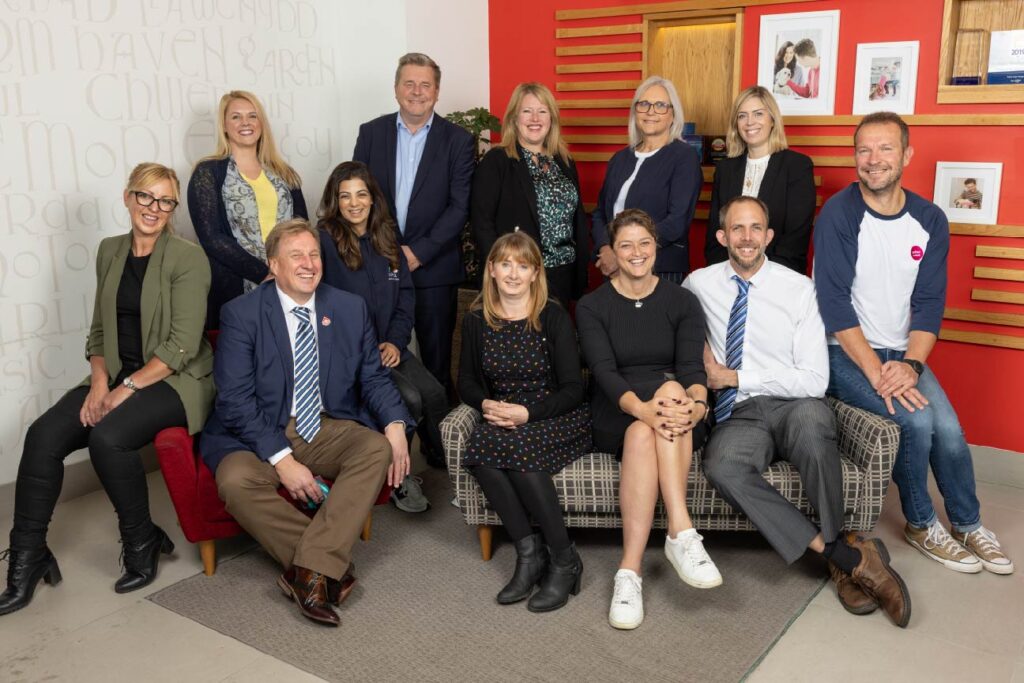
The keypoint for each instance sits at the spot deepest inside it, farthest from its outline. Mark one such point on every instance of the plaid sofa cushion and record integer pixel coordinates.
(588, 488)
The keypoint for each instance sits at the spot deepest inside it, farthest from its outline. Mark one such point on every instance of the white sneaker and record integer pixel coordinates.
(691, 561)
(982, 543)
(936, 543)
(627, 610)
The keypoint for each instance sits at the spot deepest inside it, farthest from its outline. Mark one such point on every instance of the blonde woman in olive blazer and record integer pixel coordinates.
(151, 368)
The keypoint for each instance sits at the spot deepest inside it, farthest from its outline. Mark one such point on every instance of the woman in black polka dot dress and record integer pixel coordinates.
(520, 367)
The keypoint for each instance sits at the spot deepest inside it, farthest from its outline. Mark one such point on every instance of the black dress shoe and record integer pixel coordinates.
(25, 569)
(531, 563)
(141, 559)
(563, 578)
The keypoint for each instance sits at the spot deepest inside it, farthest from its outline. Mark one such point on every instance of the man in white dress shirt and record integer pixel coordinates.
(766, 358)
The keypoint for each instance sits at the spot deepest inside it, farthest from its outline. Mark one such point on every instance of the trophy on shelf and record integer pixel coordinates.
(970, 57)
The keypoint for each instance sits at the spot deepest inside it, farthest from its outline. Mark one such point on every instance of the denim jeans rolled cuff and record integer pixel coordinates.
(931, 437)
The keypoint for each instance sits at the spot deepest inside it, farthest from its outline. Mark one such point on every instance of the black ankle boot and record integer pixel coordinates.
(563, 578)
(23, 573)
(141, 559)
(531, 563)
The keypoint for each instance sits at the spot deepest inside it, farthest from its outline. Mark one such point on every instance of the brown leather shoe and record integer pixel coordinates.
(309, 590)
(876, 578)
(851, 597)
(338, 591)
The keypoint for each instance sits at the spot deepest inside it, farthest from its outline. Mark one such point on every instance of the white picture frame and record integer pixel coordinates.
(886, 77)
(815, 75)
(955, 195)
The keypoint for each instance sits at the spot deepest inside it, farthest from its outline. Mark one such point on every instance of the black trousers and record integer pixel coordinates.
(426, 400)
(518, 496)
(113, 448)
(435, 323)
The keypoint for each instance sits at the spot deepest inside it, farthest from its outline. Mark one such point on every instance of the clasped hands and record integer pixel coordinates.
(670, 417)
(898, 380)
(100, 401)
(505, 415)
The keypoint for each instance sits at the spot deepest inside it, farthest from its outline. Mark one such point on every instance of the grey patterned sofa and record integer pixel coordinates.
(589, 487)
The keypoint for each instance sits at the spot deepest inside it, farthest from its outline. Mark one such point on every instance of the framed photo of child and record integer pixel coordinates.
(797, 60)
(968, 192)
(886, 77)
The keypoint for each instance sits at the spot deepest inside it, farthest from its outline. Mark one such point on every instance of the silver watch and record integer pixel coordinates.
(128, 382)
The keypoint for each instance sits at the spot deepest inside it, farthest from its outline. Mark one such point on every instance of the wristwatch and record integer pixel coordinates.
(916, 365)
(130, 384)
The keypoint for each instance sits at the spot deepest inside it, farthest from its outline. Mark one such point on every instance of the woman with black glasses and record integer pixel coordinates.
(150, 369)
(657, 173)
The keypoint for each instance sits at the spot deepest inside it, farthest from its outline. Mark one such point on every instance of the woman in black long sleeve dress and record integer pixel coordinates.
(643, 338)
(236, 195)
(520, 367)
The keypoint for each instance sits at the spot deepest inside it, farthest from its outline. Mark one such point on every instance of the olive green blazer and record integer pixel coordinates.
(173, 308)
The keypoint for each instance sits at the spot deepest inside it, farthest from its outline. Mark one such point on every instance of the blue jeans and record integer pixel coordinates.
(932, 436)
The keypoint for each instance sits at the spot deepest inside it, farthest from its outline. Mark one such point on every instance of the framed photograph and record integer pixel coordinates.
(886, 77)
(797, 60)
(968, 192)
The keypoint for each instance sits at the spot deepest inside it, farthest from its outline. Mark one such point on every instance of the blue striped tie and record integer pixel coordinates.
(307, 378)
(733, 348)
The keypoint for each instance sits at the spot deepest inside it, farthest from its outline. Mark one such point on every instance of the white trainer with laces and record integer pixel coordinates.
(627, 610)
(982, 543)
(935, 542)
(691, 561)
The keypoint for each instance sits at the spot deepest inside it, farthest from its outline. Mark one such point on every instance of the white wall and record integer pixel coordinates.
(89, 88)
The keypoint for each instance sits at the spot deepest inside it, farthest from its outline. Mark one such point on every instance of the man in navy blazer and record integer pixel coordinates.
(301, 392)
(424, 164)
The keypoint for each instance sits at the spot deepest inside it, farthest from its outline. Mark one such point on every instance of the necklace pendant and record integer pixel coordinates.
(639, 304)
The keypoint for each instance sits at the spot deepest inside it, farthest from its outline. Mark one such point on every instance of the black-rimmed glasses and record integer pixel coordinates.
(643, 106)
(146, 199)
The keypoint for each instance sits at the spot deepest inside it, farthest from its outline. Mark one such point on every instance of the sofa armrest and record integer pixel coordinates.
(456, 428)
(870, 442)
(179, 466)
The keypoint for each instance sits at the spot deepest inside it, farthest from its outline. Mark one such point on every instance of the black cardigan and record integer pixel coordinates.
(787, 189)
(504, 199)
(563, 354)
(230, 264)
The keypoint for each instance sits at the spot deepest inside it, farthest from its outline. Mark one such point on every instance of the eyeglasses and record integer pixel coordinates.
(146, 199)
(643, 106)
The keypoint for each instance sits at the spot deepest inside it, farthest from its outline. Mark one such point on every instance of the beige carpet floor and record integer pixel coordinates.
(424, 609)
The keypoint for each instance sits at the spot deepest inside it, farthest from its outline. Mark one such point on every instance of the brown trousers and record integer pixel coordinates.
(355, 457)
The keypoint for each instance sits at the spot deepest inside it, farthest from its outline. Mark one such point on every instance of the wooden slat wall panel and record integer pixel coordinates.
(833, 161)
(598, 67)
(619, 30)
(597, 139)
(998, 296)
(595, 104)
(594, 139)
(987, 251)
(1008, 274)
(915, 120)
(1011, 319)
(821, 140)
(610, 49)
(984, 338)
(620, 121)
(986, 230)
(644, 8)
(576, 86)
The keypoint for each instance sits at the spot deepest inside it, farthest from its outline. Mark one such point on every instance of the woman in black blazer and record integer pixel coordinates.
(528, 182)
(761, 165)
(659, 174)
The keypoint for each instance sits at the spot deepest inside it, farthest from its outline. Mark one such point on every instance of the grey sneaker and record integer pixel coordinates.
(408, 497)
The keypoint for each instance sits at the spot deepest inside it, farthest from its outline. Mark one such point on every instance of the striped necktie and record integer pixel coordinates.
(307, 378)
(733, 348)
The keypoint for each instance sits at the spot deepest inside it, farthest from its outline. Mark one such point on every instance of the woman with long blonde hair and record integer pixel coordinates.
(236, 195)
(529, 182)
(520, 368)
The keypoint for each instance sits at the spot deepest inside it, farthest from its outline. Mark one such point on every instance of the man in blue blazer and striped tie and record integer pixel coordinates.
(301, 393)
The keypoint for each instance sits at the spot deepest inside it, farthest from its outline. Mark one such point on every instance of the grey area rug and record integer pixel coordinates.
(424, 609)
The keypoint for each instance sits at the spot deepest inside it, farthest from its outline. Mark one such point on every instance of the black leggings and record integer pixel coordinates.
(515, 496)
(113, 448)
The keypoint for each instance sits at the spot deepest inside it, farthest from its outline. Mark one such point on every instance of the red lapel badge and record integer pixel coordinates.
(325, 321)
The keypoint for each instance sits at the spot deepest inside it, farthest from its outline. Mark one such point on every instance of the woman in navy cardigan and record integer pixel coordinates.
(761, 165)
(360, 254)
(236, 195)
(659, 174)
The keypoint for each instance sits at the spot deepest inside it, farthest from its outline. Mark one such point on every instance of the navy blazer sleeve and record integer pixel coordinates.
(449, 224)
(234, 373)
(378, 391)
(684, 188)
(404, 314)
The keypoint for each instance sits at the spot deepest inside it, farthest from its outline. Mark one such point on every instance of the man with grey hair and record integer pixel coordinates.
(424, 165)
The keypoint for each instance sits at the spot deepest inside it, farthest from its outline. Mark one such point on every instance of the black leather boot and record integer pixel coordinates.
(563, 577)
(531, 563)
(23, 573)
(141, 559)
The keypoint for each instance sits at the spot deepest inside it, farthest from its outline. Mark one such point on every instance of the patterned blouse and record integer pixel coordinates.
(557, 198)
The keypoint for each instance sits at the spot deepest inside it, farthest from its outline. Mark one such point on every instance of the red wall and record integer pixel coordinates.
(982, 382)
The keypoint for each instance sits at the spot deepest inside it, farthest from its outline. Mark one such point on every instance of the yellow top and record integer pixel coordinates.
(266, 202)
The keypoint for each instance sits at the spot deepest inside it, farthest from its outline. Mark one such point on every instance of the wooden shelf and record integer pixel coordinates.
(988, 15)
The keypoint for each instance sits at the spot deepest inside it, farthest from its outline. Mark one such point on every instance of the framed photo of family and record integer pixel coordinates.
(968, 192)
(886, 77)
(797, 60)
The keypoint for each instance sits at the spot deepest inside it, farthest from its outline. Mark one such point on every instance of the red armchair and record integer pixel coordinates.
(193, 491)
